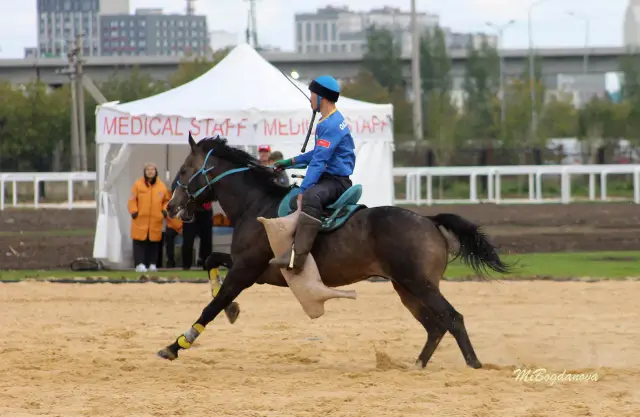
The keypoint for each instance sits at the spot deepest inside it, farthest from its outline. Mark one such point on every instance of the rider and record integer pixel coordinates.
(331, 162)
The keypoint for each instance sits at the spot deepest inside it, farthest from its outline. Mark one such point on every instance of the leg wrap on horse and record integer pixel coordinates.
(186, 340)
(306, 232)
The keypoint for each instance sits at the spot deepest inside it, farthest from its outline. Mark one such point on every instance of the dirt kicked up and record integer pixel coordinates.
(80, 350)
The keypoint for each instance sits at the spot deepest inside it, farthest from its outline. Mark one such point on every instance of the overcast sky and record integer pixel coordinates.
(552, 26)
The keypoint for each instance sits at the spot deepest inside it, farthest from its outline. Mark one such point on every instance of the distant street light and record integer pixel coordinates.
(532, 82)
(585, 62)
(503, 97)
(295, 75)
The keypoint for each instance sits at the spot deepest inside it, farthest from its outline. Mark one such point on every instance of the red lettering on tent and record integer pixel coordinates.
(109, 128)
(167, 127)
(270, 129)
(136, 125)
(123, 125)
(155, 131)
(195, 127)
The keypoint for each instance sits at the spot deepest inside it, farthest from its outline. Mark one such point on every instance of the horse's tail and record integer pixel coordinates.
(475, 249)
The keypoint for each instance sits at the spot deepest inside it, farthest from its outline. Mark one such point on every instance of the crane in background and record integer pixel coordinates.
(191, 8)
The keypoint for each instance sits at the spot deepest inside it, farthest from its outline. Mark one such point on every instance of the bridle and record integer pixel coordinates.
(204, 171)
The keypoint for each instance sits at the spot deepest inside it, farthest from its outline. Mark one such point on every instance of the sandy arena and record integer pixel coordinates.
(89, 350)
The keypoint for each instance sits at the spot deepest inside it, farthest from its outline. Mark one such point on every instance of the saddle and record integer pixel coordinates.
(334, 215)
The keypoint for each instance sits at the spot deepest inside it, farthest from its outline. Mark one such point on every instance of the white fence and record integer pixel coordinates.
(416, 177)
(36, 178)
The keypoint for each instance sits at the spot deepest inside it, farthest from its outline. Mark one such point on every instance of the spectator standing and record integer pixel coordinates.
(283, 178)
(174, 228)
(147, 206)
(264, 151)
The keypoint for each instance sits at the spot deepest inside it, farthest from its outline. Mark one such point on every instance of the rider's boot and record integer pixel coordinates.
(306, 232)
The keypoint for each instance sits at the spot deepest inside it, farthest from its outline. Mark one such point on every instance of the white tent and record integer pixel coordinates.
(243, 98)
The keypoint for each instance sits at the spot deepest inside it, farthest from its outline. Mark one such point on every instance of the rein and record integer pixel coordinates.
(204, 171)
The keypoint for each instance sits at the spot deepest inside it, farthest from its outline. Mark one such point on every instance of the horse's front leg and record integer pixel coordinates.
(238, 279)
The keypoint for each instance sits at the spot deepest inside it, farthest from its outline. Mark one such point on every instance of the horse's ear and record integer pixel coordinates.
(192, 143)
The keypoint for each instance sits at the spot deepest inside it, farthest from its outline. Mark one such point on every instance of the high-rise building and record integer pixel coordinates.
(150, 32)
(631, 29)
(338, 29)
(59, 21)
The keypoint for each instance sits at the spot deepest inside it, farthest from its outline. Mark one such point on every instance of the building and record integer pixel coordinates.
(59, 21)
(631, 31)
(220, 39)
(460, 41)
(338, 29)
(150, 32)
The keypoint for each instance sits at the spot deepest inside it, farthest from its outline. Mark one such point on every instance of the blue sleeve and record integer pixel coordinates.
(325, 146)
(303, 159)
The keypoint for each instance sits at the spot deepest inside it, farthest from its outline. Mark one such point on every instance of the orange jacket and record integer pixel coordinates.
(148, 201)
(176, 224)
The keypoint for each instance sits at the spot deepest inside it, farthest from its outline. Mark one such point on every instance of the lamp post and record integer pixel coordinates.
(415, 74)
(532, 81)
(585, 62)
(503, 98)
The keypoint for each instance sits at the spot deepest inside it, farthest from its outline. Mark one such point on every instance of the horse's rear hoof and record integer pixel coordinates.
(166, 353)
(232, 312)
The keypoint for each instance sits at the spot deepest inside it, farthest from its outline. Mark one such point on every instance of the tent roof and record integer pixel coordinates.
(242, 82)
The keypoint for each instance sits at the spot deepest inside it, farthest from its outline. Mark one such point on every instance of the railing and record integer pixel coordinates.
(36, 178)
(415, 176)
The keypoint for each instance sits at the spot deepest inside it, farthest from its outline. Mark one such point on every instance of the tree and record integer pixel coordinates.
(365, 87)
(192, 67)
(559, 118)
(435, 63)
(481, 86)
(35, 123)
(630, 92)
(383, 59)
(135, 87)
(600, 120)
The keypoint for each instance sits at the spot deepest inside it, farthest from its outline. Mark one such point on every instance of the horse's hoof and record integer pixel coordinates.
(166, 353)
(232, 312)
(419, 365)
(474, 364)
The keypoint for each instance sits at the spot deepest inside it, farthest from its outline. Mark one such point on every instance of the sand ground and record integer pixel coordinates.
(89, 350)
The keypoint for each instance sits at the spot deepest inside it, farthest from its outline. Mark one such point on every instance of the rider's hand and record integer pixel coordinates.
(283, 164)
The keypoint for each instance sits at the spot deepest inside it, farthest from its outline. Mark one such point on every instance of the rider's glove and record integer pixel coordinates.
(283, 164)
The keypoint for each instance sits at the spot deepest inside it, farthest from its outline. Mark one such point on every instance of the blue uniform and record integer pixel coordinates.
(334, 151)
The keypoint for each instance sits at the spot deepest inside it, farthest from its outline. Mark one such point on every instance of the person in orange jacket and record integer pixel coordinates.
(147, 206)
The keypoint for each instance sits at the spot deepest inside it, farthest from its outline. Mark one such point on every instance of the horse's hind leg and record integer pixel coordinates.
(443, 313)
(435, 331)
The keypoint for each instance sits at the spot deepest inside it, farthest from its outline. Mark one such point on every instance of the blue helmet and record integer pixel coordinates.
(326, 86)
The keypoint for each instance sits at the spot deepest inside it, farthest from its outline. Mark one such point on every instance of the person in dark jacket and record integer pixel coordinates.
(283, 178)
(202, 227)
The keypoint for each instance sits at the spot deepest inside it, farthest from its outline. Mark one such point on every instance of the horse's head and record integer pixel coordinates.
(209, 161)
(194, 182)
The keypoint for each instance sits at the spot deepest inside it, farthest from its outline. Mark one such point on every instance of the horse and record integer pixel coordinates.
(390, 242)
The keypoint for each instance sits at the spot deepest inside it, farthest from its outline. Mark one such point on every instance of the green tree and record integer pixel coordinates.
(383, 59)
(481, 86)
(364, 87)
(630, 89)
(192, 67)
(560, 118)
(435, 63)
(600, 122)
(35, 126)
(137, 86)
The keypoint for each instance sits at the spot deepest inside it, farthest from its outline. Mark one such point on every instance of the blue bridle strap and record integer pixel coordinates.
(204, 171)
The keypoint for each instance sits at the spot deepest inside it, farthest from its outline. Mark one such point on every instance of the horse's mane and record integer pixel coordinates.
(265, 176)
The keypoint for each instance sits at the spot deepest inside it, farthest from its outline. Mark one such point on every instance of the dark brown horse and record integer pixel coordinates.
(391, 242)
